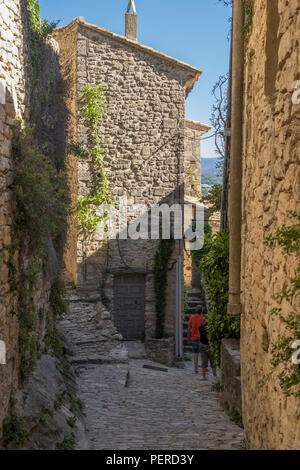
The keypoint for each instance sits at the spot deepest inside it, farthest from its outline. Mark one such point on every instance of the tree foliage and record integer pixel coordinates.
(41, 191)
(213, 197)
(213, 261)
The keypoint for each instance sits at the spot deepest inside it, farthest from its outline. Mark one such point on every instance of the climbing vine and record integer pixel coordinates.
(39, 29)
(41, 207)
(40, 197)
(14, 428)
(92, 110)
(288, 238)
(248, 9)
(40, 190)
(161, 266)
(213, 261)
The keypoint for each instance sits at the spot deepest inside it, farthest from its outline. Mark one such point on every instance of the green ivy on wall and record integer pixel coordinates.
(41, 207)
(288, 239)
(92, 110)
(213, 261)
(39, 29)
(161, 267)
(41, 191)
(248, 9)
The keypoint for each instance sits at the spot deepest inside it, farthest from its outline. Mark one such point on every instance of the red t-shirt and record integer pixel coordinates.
(194, 323)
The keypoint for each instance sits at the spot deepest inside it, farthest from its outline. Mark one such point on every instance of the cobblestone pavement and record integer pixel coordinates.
(153, 410)
(130, 407)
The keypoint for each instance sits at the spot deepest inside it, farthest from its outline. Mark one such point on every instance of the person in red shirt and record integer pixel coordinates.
(194, 335)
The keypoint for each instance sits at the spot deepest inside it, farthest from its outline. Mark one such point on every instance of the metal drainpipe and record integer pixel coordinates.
(235, 178)
(227, 137)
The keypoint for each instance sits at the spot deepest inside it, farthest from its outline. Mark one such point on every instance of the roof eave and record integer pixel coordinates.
(194, 72)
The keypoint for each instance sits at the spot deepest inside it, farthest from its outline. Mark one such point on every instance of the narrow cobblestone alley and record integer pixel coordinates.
(153, 410)
(129, 407)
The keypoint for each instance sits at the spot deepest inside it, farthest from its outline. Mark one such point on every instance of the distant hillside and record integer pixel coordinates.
(210, 174)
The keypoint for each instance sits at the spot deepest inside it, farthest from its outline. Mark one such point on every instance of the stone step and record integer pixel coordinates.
(136, 349)
(195, 294)
(195, 301)
(112, 356)
(89, 333)
(191, 310)
(195, 298)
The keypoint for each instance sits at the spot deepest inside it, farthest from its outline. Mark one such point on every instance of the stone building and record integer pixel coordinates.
(192, 190)
(144, 134)
(266, 151)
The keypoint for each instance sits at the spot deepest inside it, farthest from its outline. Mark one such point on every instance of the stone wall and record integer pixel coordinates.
(271, 187)
(192, 176)
(68, 66)
(13, 102)
(143, 136)
(230, 377)
(26, 276)
(192, 162)
(161, 350)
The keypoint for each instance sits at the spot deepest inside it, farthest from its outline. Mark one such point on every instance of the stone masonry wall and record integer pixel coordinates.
(143, 136)
(68, 66)
(271, 187)
(13, 102)
(192, 161)
(19, 99)
(192, 177)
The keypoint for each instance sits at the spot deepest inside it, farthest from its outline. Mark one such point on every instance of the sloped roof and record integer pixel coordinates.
(198, 126)
(192, 72)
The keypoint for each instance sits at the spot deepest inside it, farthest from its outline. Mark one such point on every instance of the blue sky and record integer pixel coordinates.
(194, 31)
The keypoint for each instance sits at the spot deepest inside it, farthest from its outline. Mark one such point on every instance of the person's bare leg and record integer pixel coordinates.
(214, 371)
(196, 357)
(204, 371)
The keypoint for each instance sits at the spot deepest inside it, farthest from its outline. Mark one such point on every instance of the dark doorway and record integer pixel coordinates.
(129, 305)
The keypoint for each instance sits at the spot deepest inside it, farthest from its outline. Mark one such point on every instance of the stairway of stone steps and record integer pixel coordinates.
(89, 333)
(195, 297)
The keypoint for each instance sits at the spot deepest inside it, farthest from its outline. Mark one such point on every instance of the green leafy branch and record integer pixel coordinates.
(248, 9)
(92, 110)
(41, 191)
(213, 261)
(288, 238)
(40, 26)
(161, 267)
(41, 205)
(39, 29)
